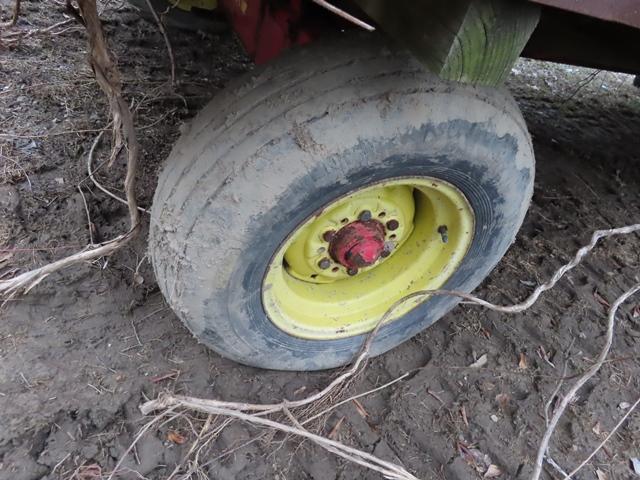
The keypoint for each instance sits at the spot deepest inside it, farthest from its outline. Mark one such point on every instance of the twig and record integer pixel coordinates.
(547, 406)
(163, 31)
(554, 464)
(591, 371)
(343, 14)
(93, 178)
(40, 31)
(135, 332)
(86, 209)
(601, 444)
(581, 84)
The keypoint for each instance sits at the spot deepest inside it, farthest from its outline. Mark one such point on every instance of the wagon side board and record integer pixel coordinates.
(470, 41)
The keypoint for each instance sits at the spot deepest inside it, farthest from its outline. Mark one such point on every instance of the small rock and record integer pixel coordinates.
(493, 471)
(480, 362)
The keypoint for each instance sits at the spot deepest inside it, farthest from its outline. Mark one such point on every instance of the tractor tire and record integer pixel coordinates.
(279, 145)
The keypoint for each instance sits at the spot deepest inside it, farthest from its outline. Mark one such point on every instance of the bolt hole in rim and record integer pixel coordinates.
(344, 299)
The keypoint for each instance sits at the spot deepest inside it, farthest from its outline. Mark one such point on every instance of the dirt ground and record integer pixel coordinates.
(85, 348)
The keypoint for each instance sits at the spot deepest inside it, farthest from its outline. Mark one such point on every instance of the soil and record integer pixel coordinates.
(82, 350)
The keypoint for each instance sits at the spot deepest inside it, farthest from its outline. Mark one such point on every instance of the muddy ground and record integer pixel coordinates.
(85, 348)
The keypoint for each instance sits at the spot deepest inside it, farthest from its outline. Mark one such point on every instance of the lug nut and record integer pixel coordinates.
(352, 271)
(388, 248)
(393, 224)
(328, 235)
(364, 216)
(324, 263)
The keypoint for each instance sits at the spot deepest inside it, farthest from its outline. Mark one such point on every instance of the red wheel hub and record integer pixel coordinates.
(358, 244)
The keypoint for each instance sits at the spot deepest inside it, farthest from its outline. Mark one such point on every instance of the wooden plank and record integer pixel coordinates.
(471, 41)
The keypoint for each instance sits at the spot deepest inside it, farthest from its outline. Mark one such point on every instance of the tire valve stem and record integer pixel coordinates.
(444, 233)
(364, 216)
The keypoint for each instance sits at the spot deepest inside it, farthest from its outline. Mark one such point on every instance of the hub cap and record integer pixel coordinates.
(358, 244)
(342, 269)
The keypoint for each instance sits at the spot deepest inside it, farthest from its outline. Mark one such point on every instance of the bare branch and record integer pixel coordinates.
(343, 14)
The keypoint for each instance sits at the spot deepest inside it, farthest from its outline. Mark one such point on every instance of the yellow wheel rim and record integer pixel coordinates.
(421, 229)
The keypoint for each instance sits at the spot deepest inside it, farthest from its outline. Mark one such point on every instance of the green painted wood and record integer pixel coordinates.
(470, 41)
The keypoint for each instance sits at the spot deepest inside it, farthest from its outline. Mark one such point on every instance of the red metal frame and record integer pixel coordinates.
(626, 12)
(266, 30)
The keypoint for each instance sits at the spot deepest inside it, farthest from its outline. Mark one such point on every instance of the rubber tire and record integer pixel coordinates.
(288, 138)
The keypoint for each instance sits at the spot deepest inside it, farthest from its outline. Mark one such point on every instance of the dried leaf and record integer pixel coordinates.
(600, 299)
(493, 471)
(363, 413)
(503, 400)
(634, 463)
(172, 375)
(334, 431)
(624, 405)
(176, 437)
(88, 472)
(522, 364)
(597, 428)
(138, 279)
(601, 475)
(635, 313)
(480, 362)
